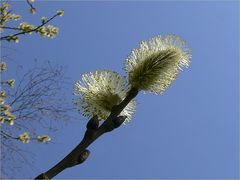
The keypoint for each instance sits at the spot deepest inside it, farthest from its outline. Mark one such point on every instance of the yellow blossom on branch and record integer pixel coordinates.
(43, 19)
(5, 14)
(25, 27)
(25, 138)
(3, 66)
(11, 82)
(13, 38)
(43, 138)
(4, 108)
(14, 17)
(11, 120)
(1, 119)
(60, 12)
(2, 101)
(9, 117)
(33, 10)
(51, 31)
(2, 94)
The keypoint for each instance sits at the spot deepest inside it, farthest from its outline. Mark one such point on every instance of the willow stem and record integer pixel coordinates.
(90, 136)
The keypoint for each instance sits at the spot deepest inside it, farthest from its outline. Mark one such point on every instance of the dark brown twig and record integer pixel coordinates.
(12, 28)
(91, 134)
(30, 4)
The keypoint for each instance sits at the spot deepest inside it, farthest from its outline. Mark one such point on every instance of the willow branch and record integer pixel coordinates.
(32, 30)
(12, 28)
(6, 135)
(76, 156)
(30, 4)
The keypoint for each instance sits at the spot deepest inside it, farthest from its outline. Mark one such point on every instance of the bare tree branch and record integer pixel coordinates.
(38, 102)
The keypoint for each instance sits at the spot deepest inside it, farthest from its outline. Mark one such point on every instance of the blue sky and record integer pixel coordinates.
(191, 131)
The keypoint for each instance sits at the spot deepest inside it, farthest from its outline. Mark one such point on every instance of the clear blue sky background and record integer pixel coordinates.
(191, 131)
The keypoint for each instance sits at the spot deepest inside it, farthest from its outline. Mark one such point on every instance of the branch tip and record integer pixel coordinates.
(42, 176)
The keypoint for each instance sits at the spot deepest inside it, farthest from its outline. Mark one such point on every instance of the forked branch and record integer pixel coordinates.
(79, 154)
